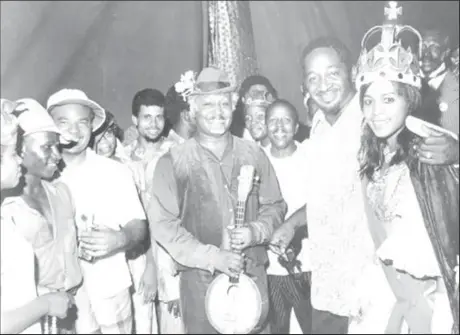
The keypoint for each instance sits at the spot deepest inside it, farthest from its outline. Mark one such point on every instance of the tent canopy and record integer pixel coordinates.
(112, 49)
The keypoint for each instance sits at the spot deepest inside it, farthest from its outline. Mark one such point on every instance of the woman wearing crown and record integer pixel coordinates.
(412, 207)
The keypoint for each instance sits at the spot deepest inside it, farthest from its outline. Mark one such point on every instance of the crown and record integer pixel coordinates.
(389, 59)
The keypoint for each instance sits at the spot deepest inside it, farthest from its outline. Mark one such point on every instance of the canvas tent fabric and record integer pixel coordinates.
(112, 49)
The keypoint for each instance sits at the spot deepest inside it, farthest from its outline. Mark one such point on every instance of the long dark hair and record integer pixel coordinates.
(371, 153)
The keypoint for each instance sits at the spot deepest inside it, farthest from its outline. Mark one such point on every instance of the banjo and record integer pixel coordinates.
(236, 305)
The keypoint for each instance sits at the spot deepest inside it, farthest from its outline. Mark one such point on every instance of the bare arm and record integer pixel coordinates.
(132, 234)
(298, 219)
(17, 320)
(134, 231)
(283, 236)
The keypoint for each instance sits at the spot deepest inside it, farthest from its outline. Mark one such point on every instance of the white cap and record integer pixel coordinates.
(33, 117)
(69, 96)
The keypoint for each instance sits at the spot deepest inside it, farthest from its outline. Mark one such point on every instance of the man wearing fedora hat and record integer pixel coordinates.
(194, 200)
(109, 216)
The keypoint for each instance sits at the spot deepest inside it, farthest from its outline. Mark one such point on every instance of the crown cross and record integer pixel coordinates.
(391, 55)
(393, 11)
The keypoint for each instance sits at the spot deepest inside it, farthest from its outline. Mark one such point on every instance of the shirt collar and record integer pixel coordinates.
(175, 136)
(319, 119)
(435, 78)
(228, 149)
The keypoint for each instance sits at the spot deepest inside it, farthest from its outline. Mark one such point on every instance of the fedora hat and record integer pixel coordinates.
(212, 80)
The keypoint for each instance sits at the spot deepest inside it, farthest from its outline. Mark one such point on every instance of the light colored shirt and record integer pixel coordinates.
(168, 281)
(175, 137)
(340, 244)
(17, 271)
(289, 178)
(436, 78)
(104, 191)
(55, 242)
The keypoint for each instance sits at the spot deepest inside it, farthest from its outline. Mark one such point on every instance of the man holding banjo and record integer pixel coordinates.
(196, 199)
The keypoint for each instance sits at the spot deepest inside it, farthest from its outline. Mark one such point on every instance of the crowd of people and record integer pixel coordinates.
(122, 232)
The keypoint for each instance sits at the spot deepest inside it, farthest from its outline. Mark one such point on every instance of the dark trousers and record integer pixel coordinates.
(287, 293)
(328, 323)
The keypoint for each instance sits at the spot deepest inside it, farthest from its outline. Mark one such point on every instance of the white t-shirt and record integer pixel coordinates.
(17, 271)
(292, 184)
(104, 189)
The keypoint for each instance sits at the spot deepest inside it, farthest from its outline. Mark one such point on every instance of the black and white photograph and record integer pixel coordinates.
(229, 167)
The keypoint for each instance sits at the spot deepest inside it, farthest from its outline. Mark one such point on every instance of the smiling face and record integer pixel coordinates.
(75, 123)
(434, 51)
(213, 114)
(106, 143)
(150, 122)
(254, 120)
(282, 126)
(326, 79)
(10, 166)
(41, 154)
(385, 109)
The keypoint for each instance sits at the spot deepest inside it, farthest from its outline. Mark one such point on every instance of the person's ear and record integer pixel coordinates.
(134, 119)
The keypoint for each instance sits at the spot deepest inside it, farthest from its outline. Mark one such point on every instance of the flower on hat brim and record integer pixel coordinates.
(186, 85)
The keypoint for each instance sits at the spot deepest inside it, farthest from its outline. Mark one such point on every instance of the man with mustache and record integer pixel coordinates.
(148, 116)
(44, 211)
(338, 237)
(109, 216)
(194, 200)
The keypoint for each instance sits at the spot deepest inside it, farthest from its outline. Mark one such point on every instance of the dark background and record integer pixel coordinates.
(112, 49)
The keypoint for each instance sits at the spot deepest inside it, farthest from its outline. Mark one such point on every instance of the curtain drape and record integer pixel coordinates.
(230, 39)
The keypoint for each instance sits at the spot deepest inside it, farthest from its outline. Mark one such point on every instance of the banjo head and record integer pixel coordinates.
(234, 308)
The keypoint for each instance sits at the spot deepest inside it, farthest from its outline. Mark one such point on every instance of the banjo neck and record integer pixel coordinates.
(245, 183)
(240, 212)
(239, 222)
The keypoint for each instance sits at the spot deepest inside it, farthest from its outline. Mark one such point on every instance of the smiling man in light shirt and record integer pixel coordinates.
(290, 310)
(339, 241)
(109, 216)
